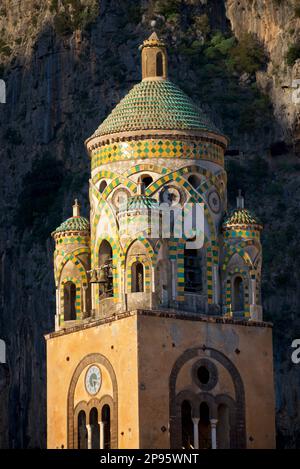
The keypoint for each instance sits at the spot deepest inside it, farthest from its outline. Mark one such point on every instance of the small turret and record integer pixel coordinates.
(154, 58)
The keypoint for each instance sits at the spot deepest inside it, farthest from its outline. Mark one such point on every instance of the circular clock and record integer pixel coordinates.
(93, 379)
(214, 202)
(171, 195)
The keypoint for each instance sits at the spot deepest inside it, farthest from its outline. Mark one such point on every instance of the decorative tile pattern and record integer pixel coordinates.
(157, 148)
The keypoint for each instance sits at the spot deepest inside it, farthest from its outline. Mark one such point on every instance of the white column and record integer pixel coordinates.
(84, 301)
(213, 426)
(101, 434)
(89, 436)
(196, 432)
(253, 291)
(94, 295)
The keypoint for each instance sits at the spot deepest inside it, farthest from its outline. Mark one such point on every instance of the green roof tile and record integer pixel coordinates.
(73, 224)
(240, 217)
(155, 104)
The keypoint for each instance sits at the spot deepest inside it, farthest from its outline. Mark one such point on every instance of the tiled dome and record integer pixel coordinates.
(139, 202)
(73, 224)
(155, 105)
(241, 217)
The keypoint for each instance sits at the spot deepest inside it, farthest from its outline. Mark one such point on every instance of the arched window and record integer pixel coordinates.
(69, 301)
(187, 429)
(105, 262)
(159, 64)
(204, 427)
(82, 431)
(137, 277)
(146, 180)
(223, 427)
(194, 180)
(105, 417)
(193, 270)
(95, 430)
(238, 294)
(103, 185)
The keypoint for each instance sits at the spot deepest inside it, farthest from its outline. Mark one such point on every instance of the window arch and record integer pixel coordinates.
(105, 417)
(187, 429)
(95, 430)
(194, 180)
(102, 186)
(159, 65)
(137, 277)
(238, 293)
(105, 261)
(82, 430)
(69, 301)
(204, 427)
(146, 180)
(193, 270)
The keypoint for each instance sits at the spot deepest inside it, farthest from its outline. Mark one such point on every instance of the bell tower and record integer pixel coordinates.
(159, 340)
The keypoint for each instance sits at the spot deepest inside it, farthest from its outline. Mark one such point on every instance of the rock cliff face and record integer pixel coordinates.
(276, 24)
(66, 63)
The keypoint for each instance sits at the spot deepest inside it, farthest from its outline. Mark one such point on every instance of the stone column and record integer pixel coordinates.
(196, 432)
(213, 426)
(101, 434)
(89, 436)
(57, 315)
(216, 284)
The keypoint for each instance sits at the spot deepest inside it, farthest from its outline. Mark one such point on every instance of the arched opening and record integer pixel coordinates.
(223, 427)
(204, 427)
(146, 180)
(105, 274)
(187, 428)
(194, 180)
(137, 277)
(105, 417)
(69, 301)
(238, 294)
(159, 65)
(102, 186)
(82, 431)
(193, 270)
(95, 429)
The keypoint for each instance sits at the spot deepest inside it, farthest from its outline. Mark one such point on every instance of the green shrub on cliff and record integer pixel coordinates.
(293, 54)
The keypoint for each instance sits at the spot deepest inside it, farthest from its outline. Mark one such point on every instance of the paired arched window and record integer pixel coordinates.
(193, 270)
(187, 429)
(95, 429)
(105, 417)
(204, 427)
(106, 288)
(238, 294)
(69, 301)
(137, 277)
(82, 430)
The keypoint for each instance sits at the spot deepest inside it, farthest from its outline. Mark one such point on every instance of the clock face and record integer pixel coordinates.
(93, 379)
(214, 202)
